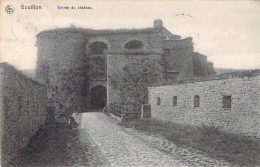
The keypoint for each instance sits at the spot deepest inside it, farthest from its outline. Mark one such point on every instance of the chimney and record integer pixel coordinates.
(158, 24)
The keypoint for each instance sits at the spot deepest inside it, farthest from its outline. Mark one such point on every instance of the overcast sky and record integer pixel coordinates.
(227, 32)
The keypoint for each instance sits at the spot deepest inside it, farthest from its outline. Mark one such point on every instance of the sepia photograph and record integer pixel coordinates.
(133, 83)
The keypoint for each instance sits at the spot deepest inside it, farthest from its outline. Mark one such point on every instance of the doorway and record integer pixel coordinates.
(98, 96)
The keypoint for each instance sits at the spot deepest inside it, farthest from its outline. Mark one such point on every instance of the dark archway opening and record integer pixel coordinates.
(98, 48)
(98, 97)
(134, 45)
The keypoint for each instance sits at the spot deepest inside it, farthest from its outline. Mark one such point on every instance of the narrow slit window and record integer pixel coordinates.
(226, 102)
(20, 103)
(28, 104)
(158, 101)
(196, 101)
(174, 101)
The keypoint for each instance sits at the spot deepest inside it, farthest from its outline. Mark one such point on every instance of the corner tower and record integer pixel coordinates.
(61, 65)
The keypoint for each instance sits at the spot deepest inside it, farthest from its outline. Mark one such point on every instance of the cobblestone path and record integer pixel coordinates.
(130, 147)
(101, 142)
(121, 148)
(191, 156)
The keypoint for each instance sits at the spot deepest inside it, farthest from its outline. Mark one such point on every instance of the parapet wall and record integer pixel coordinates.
(22, 108)
(242, 116)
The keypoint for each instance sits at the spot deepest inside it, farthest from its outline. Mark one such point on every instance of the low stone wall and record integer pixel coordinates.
(22, 108)
(231, 104)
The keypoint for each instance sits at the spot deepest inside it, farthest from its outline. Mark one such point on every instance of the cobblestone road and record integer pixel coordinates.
(101, 142)
(121, 148)
(190, 156)
(129, 147)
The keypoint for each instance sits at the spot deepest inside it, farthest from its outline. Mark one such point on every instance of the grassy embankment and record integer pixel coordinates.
(236, 149)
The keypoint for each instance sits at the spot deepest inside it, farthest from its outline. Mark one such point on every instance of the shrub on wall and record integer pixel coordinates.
(138, 73)
(69, 88)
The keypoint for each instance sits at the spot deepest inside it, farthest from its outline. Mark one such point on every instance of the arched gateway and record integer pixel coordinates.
(98, 97)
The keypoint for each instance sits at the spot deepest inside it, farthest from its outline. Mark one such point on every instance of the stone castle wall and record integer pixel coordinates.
(23, 110)
(62, 66)
(65, 63)
(70, 69)
(243, 117)
(116, 40)
(130, 75)
(201, 66)
(178, 57)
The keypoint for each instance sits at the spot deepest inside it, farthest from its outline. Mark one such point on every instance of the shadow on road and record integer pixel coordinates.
(57, 145)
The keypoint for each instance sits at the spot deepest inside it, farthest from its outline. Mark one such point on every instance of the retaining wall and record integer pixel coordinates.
(243, 117)
(22, 108)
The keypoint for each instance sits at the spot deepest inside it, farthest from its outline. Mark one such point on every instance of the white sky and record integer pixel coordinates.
(227, 32)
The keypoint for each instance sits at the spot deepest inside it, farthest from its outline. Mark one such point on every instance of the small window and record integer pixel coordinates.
(34, 103)
(7, 106)
(158, 101)
(28, 104)
(226, 102)
(61, 106)
(196, 101)
(167, 51)
(20, 103)
(174, 101)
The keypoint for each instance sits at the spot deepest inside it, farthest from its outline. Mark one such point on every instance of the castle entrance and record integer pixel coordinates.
(98, 97)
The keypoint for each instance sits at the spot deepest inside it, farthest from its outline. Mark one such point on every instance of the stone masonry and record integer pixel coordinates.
(23, 103)
(230, 103)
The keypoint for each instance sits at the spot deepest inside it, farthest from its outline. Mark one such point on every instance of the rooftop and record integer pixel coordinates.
(236, 74)
(98, 32)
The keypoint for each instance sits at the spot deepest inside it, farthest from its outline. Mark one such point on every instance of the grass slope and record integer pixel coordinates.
(236, 149)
